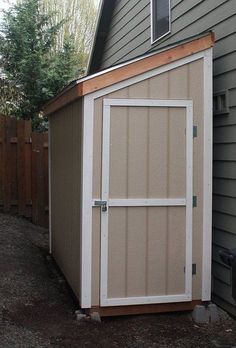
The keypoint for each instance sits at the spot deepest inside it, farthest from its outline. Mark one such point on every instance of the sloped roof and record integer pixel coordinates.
(108, 77)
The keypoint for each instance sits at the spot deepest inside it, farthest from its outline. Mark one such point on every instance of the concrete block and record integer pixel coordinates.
(200, 315)
(79, 311)
(80, 317)
(96, 317)
(213, 313)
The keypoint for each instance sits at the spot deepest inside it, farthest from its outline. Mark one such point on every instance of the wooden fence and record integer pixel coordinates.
(23, 170)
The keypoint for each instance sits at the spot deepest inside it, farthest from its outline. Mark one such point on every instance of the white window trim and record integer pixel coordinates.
(87, 199)
(153, 41)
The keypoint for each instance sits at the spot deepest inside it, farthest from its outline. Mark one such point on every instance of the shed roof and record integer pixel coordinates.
(108, 77)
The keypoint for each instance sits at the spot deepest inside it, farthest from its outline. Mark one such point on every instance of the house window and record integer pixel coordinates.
(220, 103)
(160, 19)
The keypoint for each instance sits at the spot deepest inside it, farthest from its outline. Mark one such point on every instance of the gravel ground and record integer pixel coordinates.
(37, 308)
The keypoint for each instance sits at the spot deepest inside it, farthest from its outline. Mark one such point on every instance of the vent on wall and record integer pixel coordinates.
(221, 103)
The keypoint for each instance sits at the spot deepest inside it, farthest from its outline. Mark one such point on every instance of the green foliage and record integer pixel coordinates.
(30, 61)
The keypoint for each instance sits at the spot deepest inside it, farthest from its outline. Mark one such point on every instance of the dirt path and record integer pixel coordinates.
(37, 309)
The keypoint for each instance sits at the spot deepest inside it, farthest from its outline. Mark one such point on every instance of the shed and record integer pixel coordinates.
(131, 182)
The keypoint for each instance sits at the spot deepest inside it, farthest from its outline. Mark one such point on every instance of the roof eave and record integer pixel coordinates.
(127, 70)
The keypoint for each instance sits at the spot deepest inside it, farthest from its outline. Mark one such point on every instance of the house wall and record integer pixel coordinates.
(185, 82)
(65, 148)
(129, 36)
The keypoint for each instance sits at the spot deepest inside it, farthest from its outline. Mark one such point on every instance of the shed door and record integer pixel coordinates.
(146, 228)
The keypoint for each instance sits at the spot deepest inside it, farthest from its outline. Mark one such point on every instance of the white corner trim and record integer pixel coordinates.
(86, 207)
(50, 187)
(207, 178)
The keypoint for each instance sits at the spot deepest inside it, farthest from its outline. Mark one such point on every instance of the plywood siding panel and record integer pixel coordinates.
(117, 253)
(158, 139)
(176, 250)
(97, 148)
(137, 152)
(177, 153)
(136, 251)
(65, 130)
(178, 83)
(119, 153)
(156, 261)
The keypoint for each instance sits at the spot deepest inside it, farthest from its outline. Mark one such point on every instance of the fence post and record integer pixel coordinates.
(38, 205)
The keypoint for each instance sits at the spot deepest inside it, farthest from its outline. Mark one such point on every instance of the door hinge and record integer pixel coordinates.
(194, 131)
(194, 269)
(194, 201)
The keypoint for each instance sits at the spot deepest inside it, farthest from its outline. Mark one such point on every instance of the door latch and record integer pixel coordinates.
(102, 204)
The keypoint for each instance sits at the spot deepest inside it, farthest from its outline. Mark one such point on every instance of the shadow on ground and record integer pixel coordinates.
(37, 309)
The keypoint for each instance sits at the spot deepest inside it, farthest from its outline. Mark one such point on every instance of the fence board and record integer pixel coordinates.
(21, 167)
(23, 170)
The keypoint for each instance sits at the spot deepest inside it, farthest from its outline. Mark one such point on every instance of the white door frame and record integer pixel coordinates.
(184, 201)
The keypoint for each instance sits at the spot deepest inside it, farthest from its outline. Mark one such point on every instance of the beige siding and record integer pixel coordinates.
(161, 271)
(66, 131)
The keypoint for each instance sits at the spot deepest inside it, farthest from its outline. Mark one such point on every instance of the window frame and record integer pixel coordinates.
(152, 23)
(222, 111)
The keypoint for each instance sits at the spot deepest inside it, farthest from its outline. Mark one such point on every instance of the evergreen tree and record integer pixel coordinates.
(30, 61)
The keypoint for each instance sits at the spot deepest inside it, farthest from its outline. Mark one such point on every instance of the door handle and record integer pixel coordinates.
(102, 204)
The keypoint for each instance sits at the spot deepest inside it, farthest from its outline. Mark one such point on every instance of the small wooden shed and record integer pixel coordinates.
(131, 182)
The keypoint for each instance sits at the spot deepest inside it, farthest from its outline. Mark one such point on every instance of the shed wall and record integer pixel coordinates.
(128, 36)
(65, 145)
(182, 83)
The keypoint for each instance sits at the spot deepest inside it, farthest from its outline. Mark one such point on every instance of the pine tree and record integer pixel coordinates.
(30, 61)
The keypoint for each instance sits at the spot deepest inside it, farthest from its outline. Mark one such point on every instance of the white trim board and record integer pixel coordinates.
(50, 188)
(207, 177)
(187, 295)
(139, 202)
(86, 253)
(86, 207)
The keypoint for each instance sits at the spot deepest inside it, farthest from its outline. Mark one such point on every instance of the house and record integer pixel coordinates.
(127, 29)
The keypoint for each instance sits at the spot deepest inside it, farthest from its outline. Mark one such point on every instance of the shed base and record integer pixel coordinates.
(144, 309)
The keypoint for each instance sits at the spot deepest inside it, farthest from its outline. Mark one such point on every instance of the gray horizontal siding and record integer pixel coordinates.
(224, 222)
(129, 34)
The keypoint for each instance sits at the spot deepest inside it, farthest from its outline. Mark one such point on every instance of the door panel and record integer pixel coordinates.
(146, 251)
(146, 231)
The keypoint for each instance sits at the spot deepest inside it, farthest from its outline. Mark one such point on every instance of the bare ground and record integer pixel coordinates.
(37, 308)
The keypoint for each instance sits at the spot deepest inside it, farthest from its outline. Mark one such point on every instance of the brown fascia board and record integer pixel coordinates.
(123, 72)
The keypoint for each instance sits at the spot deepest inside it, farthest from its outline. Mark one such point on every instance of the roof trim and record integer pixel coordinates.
(127, 70)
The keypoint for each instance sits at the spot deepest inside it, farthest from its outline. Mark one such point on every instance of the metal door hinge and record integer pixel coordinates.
(102, 204)
(194, 131)
(194, 201)
(194, 269)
